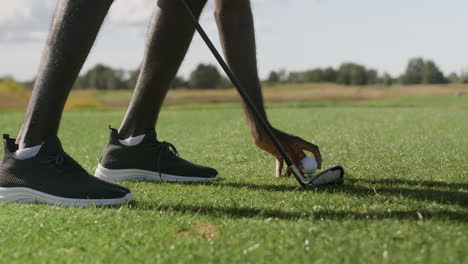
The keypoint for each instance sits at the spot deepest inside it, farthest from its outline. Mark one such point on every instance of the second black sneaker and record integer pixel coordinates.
(150, 160)
(53, 177)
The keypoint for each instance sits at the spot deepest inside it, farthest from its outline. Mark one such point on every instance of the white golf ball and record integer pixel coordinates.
(309, 165)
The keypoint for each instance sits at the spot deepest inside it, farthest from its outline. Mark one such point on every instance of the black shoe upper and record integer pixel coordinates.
(53, 172)
(150, 155)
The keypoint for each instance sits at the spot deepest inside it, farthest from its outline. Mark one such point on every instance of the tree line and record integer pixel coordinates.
(207, 76)
(418, 71)
(102, 77)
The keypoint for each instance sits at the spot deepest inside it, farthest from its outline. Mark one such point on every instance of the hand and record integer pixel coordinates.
(294, 147)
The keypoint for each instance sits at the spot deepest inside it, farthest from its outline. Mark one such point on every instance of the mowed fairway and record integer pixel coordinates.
(405, 199)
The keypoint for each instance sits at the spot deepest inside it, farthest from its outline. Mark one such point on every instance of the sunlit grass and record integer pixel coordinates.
(405, 200)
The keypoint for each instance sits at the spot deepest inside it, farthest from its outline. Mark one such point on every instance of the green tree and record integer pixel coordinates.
(352, 74)
(453, 78)
(358, 75)
(432, 74)
(273, 77)
(329, 75)
(102, 77)
(282, 75)
(315, 75)
(372, 76)
(132, 79)
(179, 83)
(414, 71)
(310, 76)
(464, 77)
(344, 74)
(204, 77)
(295, 77)
(224, 83)
(385, 79)
(420, 71)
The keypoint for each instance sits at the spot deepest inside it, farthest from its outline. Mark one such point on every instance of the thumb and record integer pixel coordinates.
(279, 167)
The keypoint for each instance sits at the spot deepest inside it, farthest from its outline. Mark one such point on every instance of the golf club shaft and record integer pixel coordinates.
(265, 124)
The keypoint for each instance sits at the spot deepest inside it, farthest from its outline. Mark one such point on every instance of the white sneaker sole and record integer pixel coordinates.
(144, 175)
(27, 195)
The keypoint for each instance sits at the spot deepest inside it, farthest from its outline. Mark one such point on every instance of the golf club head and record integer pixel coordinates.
(332, 175)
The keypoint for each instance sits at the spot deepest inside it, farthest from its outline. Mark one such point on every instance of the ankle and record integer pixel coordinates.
(25, 143)
(27, 153)
(132, 141)
(125, 133)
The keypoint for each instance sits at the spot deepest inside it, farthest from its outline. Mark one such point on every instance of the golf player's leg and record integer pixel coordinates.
(134, 153)
(45, 173)
(237, 34)
(73, 31)
(169, 37)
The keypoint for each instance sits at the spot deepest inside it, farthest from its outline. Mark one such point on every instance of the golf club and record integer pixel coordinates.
(331, 175)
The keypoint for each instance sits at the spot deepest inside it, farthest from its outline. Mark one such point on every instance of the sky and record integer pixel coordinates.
(294, 35)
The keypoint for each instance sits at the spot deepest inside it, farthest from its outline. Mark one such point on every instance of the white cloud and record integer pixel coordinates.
(130, 13)
(24, 20)
(28, 20)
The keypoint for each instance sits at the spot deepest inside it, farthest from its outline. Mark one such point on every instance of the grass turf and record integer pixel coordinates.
(405, 199)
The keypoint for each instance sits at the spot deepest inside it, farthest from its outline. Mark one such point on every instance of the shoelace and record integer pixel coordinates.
(56, 161)
(164, 146)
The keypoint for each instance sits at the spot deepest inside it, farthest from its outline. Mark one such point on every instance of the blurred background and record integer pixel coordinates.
(308, 50)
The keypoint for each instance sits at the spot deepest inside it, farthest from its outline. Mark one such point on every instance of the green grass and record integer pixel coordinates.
(426, 102)
(447, 102)
(114, 96)
(405, 200)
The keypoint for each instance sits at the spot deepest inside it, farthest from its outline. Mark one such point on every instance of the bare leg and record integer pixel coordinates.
(74, 28)
(237, 34)
(169, 37)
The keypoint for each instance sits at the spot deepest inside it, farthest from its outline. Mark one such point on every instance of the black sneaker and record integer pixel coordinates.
(150, 160)
(53, 177)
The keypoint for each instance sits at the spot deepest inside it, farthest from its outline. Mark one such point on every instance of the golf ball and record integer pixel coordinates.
(309, 165)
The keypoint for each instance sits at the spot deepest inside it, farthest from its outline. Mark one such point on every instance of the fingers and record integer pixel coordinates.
(301, 156)
(296, 154)
(296, 158)
(318, 158)
(279, 167)
(313, 149)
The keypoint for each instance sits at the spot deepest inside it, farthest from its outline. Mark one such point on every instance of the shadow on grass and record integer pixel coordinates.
(430, 191)
(246, 212)
(396, 182)
(385, 187)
